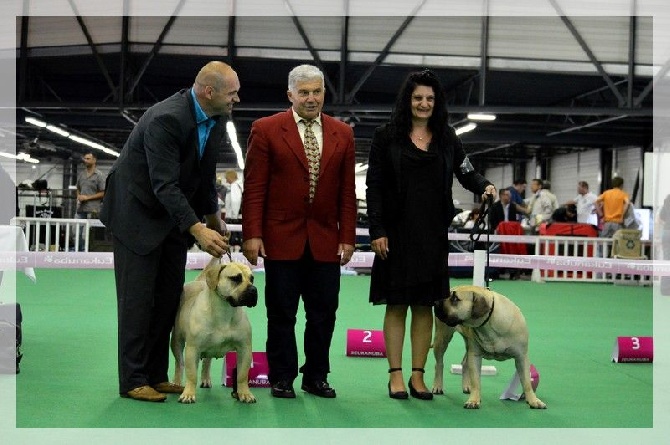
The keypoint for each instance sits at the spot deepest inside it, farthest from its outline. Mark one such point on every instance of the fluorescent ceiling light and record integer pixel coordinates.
(466, 128)
(360, 167)
(59, 131)
(25, 157)
(232, 135)
(36, 122)
(481, 117)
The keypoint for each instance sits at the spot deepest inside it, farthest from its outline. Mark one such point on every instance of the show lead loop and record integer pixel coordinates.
(482, 224)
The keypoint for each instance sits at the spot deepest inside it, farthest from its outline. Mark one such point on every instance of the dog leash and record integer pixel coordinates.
(480, 227)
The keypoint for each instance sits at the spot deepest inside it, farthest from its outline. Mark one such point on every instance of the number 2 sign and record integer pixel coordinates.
(365, 343)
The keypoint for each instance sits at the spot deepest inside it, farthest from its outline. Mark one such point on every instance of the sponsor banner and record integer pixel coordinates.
(360, 260)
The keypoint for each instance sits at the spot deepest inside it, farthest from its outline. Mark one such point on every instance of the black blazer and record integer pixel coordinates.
(383, 185)
(498, 214)
(158, 183)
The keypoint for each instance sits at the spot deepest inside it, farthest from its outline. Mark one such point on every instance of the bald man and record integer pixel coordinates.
(159, 190)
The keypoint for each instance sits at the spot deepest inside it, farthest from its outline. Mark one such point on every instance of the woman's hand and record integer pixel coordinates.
(380, 246)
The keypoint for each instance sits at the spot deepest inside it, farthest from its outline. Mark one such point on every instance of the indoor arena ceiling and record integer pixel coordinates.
(556, 84)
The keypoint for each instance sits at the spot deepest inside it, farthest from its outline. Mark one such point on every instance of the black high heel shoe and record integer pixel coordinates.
(421, 395)
(400, 395)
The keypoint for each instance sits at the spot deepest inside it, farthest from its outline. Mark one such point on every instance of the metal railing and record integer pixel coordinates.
(74, 235)
(57, 234)
(566, 247)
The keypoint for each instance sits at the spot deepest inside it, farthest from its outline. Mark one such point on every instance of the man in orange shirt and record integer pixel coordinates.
(611, 205)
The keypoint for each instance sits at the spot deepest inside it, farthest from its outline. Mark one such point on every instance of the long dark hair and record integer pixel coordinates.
(401, 116)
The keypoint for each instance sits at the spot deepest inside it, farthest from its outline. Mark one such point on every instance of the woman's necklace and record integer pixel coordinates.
(425, 137)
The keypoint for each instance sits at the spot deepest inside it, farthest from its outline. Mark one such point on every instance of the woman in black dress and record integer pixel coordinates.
(413, 160)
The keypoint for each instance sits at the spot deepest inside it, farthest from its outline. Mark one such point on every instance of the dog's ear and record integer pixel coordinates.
(212, 276)
(480, 307)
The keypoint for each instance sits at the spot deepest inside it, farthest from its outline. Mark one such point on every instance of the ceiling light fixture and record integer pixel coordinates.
(59, 131)
(36, 122)
(466, 128)
(485, 117)
(25, 157)
(360, 167)
(232, 135)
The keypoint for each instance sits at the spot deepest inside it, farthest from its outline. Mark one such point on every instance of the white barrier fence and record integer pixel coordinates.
(556, 258)
(570, 258)
(57, 234)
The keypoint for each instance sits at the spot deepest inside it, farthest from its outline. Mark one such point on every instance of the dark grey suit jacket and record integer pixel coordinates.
(158, 183)
(498, 213)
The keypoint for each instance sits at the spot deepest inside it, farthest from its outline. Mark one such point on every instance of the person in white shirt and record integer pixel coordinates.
(233, 197)
(586, 204)
(233, 207)
(540, 206)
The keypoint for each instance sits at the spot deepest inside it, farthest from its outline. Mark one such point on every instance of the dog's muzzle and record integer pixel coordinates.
(439, 311)
(249, 298)
(442, 315)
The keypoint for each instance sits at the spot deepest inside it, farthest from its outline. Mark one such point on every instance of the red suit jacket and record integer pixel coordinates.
(275, 203)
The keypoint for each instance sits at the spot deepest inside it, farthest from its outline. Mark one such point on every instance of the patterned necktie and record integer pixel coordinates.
(313, 157)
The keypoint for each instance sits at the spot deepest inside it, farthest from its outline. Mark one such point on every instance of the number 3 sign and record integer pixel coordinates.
(365, 343)
(633, 350)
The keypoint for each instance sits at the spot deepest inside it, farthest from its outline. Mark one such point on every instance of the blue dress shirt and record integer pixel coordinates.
(204, 124)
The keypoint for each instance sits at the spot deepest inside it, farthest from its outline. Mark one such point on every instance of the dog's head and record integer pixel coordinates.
(464, 304)
(233, 282)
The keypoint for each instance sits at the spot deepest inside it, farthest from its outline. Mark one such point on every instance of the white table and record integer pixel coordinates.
(12, 240)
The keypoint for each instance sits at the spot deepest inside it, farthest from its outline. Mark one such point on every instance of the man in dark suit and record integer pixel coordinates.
(503, 209)
(158, 191)
(299, 208)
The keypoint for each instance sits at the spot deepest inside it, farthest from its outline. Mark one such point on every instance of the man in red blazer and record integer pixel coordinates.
(303, 235)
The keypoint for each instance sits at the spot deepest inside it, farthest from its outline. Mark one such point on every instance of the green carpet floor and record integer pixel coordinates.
(70, 356)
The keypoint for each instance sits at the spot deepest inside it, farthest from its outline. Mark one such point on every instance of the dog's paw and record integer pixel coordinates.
(206, 384)
(437, 389)
(186, 398)
(471, 404)
(537, 404)
(244, 397)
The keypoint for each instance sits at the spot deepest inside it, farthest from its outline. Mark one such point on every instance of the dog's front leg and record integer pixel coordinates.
(442, 337)
(191, 359)
(205, 375)
(177, 348)
(243, 393)
(523, 369)
(474, 366)
(465, 373)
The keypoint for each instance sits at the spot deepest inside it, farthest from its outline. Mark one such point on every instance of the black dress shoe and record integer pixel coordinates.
(319, 388)
(282, 390)
(421, 395)
(400, 395)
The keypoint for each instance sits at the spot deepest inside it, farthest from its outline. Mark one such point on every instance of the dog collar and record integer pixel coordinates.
(493, 304)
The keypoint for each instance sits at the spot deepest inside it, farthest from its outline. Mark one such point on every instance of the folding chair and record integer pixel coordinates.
(627, 245)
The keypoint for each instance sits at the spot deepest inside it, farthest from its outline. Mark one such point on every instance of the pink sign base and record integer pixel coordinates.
(258, 373)
(365, 343)
(633, 350)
